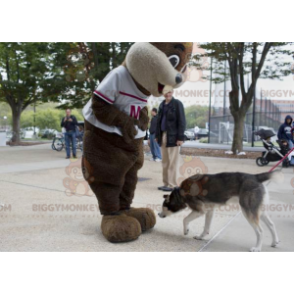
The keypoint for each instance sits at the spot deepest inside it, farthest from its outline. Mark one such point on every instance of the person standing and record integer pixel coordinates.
(196, 131)
(154, 147)
(171, 125)
(69, 122)
(285, 129)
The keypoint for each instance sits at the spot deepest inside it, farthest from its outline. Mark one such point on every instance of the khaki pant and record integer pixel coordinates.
(170, 163)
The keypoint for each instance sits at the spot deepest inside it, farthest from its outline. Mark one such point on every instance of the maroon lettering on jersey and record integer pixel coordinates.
(135, 111)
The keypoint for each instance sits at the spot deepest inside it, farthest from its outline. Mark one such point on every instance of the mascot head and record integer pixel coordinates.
(158, 67)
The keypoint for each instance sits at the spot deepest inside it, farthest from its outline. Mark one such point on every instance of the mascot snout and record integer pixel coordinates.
(154, 69)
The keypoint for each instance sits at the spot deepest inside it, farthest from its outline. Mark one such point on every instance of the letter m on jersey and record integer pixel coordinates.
(135, 111)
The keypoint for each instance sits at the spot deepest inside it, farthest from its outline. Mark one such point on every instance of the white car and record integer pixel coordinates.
(29, 132)
(189, 135)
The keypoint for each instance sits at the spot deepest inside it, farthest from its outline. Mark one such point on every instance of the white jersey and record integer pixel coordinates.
(119, 89)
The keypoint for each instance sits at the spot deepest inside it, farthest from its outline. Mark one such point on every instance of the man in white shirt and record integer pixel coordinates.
(196, 131)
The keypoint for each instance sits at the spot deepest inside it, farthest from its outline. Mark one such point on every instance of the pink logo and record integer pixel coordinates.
(135, 111)
(75, 183)
(191, 166)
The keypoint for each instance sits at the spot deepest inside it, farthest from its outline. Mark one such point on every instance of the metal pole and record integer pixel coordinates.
(253, 118)
(209, 114)
(35, 119)
(225, 90)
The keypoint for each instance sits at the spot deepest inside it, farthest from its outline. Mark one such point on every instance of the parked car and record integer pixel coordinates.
(203, 133)
(29, 132)
(189, 135)
(48, 133)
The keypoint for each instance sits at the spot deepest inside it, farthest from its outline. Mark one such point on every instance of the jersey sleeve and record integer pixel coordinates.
(108, 89)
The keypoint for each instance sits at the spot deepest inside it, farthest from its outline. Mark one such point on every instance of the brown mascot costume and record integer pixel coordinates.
(116, 119)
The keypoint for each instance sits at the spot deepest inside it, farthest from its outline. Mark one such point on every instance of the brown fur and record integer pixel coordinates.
(182, 49)
(120, 228)
(114, 187)
(145, 217)
(111, 162)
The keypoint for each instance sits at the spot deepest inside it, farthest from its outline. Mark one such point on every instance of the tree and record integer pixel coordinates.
(57, 72)
(28, 75)
(87, 65)
(196, 115)
(243, 59)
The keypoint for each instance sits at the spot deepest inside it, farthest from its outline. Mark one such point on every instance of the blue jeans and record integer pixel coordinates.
(155, 149)
(70, 137)
(290, 144)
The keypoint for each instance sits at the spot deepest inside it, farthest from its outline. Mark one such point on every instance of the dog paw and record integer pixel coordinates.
(275, 243)
(186, 232)
(255, 249)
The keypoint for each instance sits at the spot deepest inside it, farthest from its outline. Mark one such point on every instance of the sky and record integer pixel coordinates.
(196, 89)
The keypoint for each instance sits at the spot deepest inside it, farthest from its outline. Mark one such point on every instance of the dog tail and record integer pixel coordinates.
(276, 176)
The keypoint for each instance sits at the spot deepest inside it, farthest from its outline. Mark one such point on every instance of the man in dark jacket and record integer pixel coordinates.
(285, 129)
(69, 122)
(171, 125)
(154, 147)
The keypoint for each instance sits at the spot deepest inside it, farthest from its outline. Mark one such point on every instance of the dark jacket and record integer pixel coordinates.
(175, 123)
(153, 124)
(69, 125)
(285, 129)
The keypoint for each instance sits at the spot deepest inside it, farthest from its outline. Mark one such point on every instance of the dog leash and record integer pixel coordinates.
(281, 160)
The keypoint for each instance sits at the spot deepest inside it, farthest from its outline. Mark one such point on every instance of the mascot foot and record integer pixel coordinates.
(120, 228)
(145, 216)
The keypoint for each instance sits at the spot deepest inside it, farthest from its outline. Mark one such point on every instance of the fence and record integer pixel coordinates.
(267, 115)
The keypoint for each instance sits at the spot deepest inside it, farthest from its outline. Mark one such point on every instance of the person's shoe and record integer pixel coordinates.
(67, 157)
(167, 189)
(152, 159)
(74, 156)
(158, 160)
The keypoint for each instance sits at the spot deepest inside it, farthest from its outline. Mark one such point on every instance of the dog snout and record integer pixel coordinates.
(179, 78)
(160, 215)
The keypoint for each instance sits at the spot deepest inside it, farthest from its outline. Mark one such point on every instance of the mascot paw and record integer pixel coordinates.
(145, 217)
(120, 228)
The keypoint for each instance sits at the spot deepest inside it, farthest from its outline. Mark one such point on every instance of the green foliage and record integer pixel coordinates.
(27, 119)
(196, 115)
(5, 111)
(204, 140)
(51, 118)
(34, 73)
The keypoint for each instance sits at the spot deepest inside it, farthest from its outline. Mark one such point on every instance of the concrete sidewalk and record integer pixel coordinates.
(38, 212)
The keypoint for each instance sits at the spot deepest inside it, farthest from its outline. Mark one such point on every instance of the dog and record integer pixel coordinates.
(202, 193)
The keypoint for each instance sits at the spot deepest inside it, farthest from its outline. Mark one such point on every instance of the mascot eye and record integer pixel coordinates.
(174, 60)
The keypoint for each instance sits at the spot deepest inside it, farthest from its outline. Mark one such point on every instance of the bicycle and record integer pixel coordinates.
(58, 143)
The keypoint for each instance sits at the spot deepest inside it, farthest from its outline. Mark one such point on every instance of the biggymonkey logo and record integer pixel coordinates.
(191, 166)
(75, 183)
